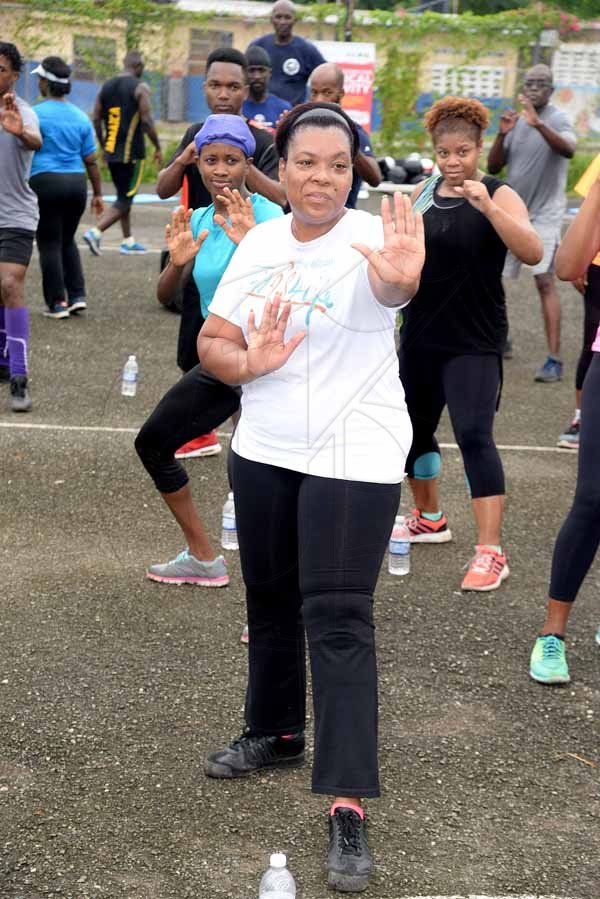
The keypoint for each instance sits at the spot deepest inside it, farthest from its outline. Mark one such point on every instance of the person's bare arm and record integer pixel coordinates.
(171, 280)
(582, 241)
(12, 122)
(170, 178)
(367, 168)
(145, 111)
(224, 352)
(508, 216)
(93, 172)
(97, 120)
(497, 156)
(561, 145)
(259, 183)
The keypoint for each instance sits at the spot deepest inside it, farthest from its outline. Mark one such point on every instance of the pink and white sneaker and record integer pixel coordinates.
(422, 530)
(487, 570)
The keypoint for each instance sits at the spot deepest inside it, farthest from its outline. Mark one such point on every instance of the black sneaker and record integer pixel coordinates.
(20, 401)
(4, 374)
(77, 305)
(252, 753)
(59, 310)
(349, 861)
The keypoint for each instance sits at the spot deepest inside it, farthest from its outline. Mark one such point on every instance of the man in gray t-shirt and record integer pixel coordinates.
(536, 146)
(19, 137)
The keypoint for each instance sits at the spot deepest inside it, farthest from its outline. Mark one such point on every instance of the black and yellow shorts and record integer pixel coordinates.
(127, 177)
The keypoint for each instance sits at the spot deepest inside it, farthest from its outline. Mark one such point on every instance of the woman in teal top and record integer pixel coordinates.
(58, 179)
(200, 245)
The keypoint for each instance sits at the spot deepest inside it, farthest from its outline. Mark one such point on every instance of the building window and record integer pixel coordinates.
(201, 44)
(94, 57)
(470, 81)
(577, 65)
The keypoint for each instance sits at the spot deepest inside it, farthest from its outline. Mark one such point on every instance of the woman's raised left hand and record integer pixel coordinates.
(398, 264)
(240, 215)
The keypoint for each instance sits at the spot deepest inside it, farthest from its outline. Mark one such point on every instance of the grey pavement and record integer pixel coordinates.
(112, 688)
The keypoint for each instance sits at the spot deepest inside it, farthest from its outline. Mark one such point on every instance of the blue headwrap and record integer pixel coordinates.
(226, 129)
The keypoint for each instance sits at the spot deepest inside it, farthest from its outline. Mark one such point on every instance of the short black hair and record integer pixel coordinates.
(258, 56)
(227, 54)
(57, 66)
(289, 125)
(12, 54)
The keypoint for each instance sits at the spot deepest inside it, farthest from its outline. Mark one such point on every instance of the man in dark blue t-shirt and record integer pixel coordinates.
(326, 85)
(262, 107)
(292, 58)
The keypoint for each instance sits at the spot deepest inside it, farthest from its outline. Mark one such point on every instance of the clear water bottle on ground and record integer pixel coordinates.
(399, 554)
(229, 531)
(277, 882)
(130, 376)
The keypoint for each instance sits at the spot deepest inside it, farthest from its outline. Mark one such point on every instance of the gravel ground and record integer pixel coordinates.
(113, 688)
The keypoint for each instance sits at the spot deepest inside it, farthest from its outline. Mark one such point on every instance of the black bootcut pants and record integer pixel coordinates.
(61, 199)
(311, 549)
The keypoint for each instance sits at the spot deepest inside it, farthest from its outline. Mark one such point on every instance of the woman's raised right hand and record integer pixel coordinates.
(267, 349)
(180, 241)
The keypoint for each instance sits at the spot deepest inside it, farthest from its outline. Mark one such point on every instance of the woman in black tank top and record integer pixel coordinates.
(455, 328)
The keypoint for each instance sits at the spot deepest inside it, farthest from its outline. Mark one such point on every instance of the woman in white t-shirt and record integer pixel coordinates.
(304, 319)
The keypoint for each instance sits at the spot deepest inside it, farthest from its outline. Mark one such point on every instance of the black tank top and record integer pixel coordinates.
(460, 306)
(124, 140)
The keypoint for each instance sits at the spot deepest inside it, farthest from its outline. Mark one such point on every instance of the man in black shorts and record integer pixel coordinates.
(121, 117)
(19, 137)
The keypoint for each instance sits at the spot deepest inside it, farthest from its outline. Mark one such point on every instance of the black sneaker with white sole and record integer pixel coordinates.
(349, 862)
(20, 401)
(252, 753)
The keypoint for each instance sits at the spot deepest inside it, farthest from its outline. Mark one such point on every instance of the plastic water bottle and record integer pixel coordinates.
(277, 882)
(229, 531)
(399, 554)
(130, 376)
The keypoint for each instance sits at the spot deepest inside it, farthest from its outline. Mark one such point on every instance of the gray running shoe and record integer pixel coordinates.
(20, 400)
(187, 569)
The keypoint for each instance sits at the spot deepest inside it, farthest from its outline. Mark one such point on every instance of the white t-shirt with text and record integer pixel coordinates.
(336, 408)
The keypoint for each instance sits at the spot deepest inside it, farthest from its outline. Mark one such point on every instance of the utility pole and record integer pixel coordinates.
(349, 18)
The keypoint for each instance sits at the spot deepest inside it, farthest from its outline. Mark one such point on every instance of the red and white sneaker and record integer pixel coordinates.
(207, 445)
(487, 570)
(422, 530)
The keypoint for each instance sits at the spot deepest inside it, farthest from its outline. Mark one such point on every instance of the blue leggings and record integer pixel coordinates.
(578, 539)
(470, 387)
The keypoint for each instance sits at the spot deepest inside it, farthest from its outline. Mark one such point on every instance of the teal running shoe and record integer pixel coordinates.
(548, 664)
(598, 635)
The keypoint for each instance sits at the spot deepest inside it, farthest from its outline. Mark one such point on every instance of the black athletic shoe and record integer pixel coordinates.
(252, 753)
(4, 374)
(349, 861)
(20, 401)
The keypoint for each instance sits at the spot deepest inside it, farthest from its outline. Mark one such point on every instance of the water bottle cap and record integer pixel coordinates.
(230, 495)
(278, 860)
(399, 519)
(131, 358)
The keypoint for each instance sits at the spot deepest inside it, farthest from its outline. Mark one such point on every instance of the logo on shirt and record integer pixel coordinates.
(296, 287)
(291, 66)
(112, 128)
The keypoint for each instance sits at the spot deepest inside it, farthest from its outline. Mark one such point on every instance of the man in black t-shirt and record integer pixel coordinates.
(121, 117)
(225, 89)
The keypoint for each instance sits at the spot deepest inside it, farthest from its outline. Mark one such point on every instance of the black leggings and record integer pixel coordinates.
(311, 549)
(578, 539)
(194, 406)
(469, 386)
(591, 321)
(62, 199)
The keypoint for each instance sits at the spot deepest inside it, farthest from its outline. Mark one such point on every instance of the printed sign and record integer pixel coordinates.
(358, 64)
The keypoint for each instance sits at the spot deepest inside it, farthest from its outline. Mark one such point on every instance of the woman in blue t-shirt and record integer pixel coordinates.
(200, 245)
(58, 179)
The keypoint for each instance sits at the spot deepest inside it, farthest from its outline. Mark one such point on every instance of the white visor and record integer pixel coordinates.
(41, 71)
